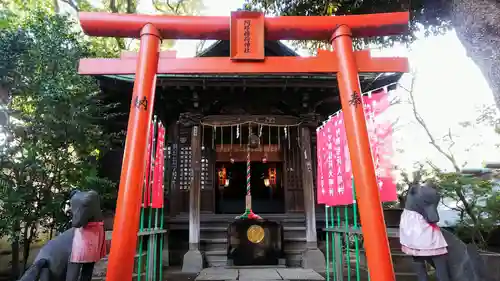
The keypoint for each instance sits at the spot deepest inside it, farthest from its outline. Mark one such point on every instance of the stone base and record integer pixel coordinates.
(314, 259)
(165, 257)
(193, 262)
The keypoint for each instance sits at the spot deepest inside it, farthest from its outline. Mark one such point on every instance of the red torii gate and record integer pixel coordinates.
(247, 32)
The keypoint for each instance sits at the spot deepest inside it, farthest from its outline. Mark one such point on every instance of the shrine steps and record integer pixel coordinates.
(213, 237)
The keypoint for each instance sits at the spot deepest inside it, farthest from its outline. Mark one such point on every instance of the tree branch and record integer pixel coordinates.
(173, 8)
(55, 3)
(423, 124)
(130, 7)
(113, 7)
(70, 3)
(449, 156)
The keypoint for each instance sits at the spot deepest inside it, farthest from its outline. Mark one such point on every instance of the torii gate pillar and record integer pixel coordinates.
(128, 205)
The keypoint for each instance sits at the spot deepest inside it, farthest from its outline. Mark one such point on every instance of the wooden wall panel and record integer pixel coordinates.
(207, 199)
(320, 208)
(182, 172)
(294, 195)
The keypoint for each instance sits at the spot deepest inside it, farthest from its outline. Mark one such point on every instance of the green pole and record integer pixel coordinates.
(346, 237)
(150, 210)
(327, 246)
(155, 245)
(161, 236)
(148, 253)
(355, 228)
(161, 244)
(334, 258)
(141, 229)
(143, 209)
(341, 262)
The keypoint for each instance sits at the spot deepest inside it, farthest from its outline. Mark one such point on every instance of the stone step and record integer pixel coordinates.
(294, 228)
(216, 253)
(213, 247)
(295, 239)
(216, 260)
(213, 240)
(212, 234)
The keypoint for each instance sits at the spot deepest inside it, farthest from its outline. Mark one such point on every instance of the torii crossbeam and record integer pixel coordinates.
(247, 32)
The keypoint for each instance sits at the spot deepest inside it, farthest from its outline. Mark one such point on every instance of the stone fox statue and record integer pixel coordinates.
(72, 254)
(421, 238)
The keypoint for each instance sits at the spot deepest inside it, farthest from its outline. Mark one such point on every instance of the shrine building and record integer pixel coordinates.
(218, 115)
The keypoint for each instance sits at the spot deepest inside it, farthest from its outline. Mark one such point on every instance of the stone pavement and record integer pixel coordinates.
(257, 274)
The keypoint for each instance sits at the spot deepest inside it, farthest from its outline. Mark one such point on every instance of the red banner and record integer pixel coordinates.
(321, 170)
(380, 132)
(147, 185)
(329, 168)
(157, 191)
(334, 174)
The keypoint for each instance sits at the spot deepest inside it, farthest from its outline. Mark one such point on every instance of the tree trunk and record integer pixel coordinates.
(56, 6)
(26, 245)
(477, 24)
(15, 251)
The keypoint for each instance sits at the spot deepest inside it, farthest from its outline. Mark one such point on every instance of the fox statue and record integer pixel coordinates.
(71, 255)
(421, 238)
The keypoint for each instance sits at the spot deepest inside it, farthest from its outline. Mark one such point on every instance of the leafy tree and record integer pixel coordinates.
(475, 22)
(54, 134)
(115, 45)
(102, 47)
(476, 203)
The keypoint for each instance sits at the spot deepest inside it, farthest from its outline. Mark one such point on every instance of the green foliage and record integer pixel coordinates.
(433, 17)
(178, 7)
(475, 199)
(54, 136)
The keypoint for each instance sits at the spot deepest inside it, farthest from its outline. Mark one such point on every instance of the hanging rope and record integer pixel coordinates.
(248, 180)
(249, 214)
(231, 138)
(222, 138)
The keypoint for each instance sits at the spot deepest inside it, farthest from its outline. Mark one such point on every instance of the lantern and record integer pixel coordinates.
(272, 176)
(222, 175)
(266, 182)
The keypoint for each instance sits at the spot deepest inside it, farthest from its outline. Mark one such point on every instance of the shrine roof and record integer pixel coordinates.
(272, 49)
(214, 94)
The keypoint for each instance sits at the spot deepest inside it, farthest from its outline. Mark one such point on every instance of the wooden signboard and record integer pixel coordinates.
(247, 35)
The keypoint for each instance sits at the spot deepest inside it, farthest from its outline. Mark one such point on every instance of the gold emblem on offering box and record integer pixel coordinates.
(255, 234)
